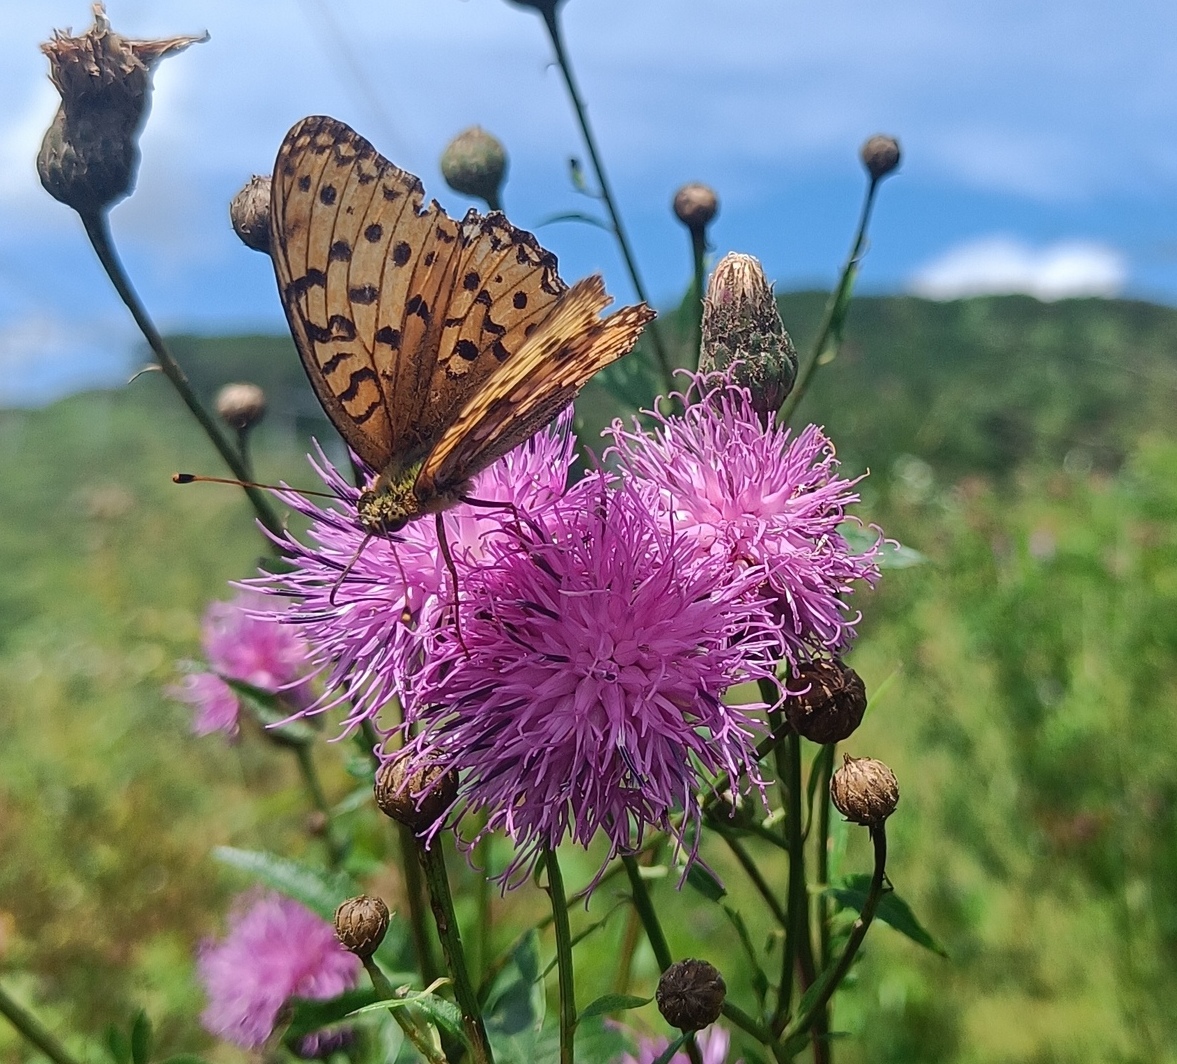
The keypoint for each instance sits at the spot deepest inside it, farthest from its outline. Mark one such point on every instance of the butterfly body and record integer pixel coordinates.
(434, 345)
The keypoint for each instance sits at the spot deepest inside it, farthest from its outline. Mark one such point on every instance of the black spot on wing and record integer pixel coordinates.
(466, 349)
(401, 253)
(418, 306)
(386, 334)
(374, 232)
(364, 295)
(356, 380)
(327, 195)
(340, 251)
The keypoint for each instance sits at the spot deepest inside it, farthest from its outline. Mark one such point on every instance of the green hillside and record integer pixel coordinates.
(1028, 679)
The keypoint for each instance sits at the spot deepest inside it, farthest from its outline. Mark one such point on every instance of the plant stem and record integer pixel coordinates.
(559, 899)
(314, 788)
(698, 249)
(834, 306)
(826, 767)
(33, 1030)
(645, 909)
(98, 230)
(444, 916)
(551, 20)
(413, 1032)
(757, 877)
(415, 891)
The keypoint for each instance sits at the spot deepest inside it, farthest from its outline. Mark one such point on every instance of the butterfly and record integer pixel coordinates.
(434, 345)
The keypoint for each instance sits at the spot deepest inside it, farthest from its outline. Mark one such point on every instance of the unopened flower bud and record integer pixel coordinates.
(880, 155)
(864, 790)
(695, 205)
(249, 211)
(360, 925)
(690, 995)
(90, 153)
(475, 164)
(417, 798)
(241, 406)
(743, 333)
(832, 707)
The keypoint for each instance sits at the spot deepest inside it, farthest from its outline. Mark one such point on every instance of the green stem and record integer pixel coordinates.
(831, 978)
(413, 1032)
(33, 1030)
(427, 961)
(645, 909)
(826, 767)
(837, 300)
(98, 230)
(482, 943)
(314, 789)
(757, 878)
(551, 20)
(563, 929)
(444, 916)
(698, 249)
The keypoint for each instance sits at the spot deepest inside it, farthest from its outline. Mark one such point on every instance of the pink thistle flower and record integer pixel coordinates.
(241, 643)
(275, 949)
(586, 693)
(368, 604)
(749, 495)
(713, 1043)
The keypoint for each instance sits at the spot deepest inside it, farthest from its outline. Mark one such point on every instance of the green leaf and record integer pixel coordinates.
(185, 1058)
(441, 1013)
(516, 1005)
(575, 216)
(612, 1003)
(851, 893)
(667, 1055)
(322, 892)
(140, 1038)
(118, 1045)
(705, 882)
(309, 1015)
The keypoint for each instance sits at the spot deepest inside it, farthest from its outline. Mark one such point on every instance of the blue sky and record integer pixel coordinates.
(1039, 139)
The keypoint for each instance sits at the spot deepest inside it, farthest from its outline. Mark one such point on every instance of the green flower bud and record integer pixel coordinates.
(475, 164)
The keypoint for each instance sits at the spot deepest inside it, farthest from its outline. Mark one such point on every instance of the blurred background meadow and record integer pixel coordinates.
(1008, 376)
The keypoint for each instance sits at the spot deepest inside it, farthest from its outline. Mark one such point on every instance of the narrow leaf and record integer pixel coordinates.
(575, 216)
(706, 882)
(612, 1003)
(313, 1014)
(667, 1055)
(851, 893)
(140, 1038)
(322, 892)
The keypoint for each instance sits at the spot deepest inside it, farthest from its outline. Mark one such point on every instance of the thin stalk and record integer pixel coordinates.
(418, 906)
(836, 300)
(444, 916)
(826, 767)
(413, 1032)
(629, 945)
(551, 20)
(98, 230)
(482, 944)
(559, 899)
(831, 978)
(243, 449)
(645, 909)
(757, 877)
(698, 250)
(314, 789)
(739, 1018)
(32, 1030)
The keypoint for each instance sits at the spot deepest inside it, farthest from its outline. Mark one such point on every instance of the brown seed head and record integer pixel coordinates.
(864, 790)
(249, 211)
(241, 406)
(690, 995)
(742, 328)
(416, 799)
(475, 164)
(90, 153)
(833, 706)
(695, 205)
(360, 924)
(880, 155)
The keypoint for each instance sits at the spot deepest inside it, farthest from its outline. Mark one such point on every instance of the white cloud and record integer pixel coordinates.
(1003, 264)
(41, 358)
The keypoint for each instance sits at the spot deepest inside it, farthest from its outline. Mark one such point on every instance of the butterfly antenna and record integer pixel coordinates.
(348, 568)
(195, 478)
(444, 544)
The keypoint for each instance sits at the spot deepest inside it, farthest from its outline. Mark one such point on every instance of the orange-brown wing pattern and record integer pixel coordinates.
(399, 312)
(532, 387)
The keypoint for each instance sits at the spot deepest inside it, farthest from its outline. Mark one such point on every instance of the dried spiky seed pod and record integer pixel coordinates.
(417, 798)
(833, 706)
(690, 995)
(880, 155)
(241, 405)
(475, 164)
(249, 211)
(90, 153)
(865, 791)
(360, 924)
(695, 205)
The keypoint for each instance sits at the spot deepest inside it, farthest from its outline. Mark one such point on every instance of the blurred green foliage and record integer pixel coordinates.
(1027, 450)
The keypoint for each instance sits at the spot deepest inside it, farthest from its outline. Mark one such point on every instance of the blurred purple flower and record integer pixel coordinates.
(369, 604)
(241, 642)
(275, 949)
(586, 693)
(713, 1043)
(750, 496)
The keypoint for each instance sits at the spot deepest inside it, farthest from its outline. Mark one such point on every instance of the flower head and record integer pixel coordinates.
(747, 495)
(713, 1046)
(585, 695)
(275, 949)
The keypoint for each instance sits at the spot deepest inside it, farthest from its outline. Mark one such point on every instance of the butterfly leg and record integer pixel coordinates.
(348, 568)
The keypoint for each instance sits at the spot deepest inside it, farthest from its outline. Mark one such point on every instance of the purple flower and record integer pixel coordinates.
(242, 643)
(585, 694)
(368, 604)
(713, 1043)
(275, 949)
(746, 495)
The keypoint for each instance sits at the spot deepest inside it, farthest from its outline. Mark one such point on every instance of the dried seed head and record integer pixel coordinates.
(742, 329)
(360, 925)
(864, 790)
(696, 205)
(241, 406)
(880, 155)
(90, 153)
(832, 707)
(249, 211)
(690, 995)
(416, 798)
(475, 164)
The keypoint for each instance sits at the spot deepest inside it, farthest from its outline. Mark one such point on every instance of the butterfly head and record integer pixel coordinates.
(391, 501)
